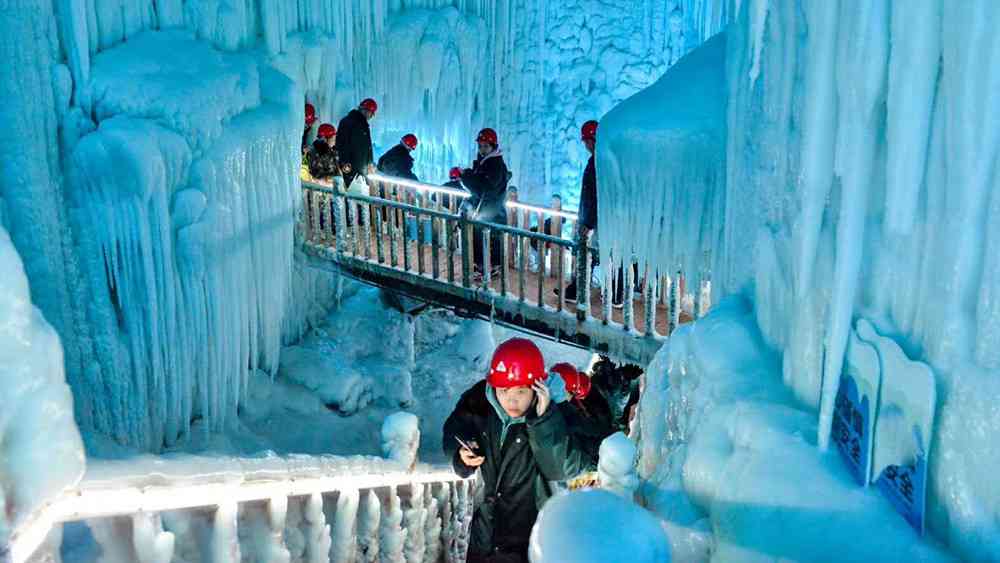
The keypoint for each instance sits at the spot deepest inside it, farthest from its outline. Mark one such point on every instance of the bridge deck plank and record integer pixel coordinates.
(548, 284)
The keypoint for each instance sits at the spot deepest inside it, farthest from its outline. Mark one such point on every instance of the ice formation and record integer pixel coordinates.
(596, 526)
(860, 153)
(726, 448)
(41, 453)
(401, 438)
(616, 468)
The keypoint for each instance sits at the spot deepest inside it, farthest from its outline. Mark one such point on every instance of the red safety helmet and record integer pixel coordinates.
(488, 136)
(589, 131)
(455, 173)
(310, 114)
(326, 131)
(369, 104)
(410, 140)
(577, 384)
(516, 363)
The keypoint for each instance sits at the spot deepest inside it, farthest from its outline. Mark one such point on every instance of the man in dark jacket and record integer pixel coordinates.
(322, 156)
(355, 143)
(398, 161)
(589, 418)
(487, 182)
(519, 442)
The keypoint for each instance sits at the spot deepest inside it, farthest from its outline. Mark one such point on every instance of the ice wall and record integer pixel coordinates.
(40, 449)
(184, 201)
(861, 152)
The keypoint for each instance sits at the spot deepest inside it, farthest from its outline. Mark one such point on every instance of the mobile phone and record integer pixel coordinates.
(465, 445)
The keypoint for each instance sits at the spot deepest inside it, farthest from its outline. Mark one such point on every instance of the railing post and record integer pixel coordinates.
(649, 297)
(317, 532)
(467, 244)
(420, 242)
(451, 228)
(225, 538)
(607, 292)
(339, 203)
(628, 282)
(487, 259)
(366, 228)
(560, 278)
(522, 264)
(541, 270)
(343, 542)
(582, 252)
(377, 213)
(675, 302)
(504, 247)
(354, 218)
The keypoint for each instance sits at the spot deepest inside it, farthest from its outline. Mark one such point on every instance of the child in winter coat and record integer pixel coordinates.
(520, 444)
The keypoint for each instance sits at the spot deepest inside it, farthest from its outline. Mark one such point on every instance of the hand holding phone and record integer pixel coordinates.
(468, 454)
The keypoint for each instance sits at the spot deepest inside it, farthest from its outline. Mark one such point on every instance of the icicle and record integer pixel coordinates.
(392, 536)
(369, 524)
(414, 522)
(344, 537)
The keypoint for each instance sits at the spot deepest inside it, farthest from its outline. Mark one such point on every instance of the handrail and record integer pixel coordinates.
(463, 194)
(542, 237)
(153, 485)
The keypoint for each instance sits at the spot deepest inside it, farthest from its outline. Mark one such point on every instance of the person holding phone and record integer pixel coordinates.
(519, 442)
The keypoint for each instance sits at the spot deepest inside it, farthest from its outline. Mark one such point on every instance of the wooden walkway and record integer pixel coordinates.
(378, 241)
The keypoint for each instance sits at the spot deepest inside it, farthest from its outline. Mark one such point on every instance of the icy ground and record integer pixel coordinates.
(332, 393)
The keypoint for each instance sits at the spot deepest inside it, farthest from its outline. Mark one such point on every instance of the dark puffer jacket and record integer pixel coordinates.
(322, 160)
(517, 473)
(588, 196)
(397, 162)
(487, 182)
(354, 142)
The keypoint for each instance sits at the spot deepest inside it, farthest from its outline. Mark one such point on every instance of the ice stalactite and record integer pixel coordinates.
(345, 527)
(369, 522)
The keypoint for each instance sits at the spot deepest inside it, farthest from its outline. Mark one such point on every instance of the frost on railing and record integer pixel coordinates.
(533, 268)
(277, 509)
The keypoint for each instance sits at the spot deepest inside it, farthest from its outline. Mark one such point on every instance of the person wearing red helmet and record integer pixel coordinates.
(487, 182)
(590, 418)
(309, 121)
(454, 182)
(355, 143)
(508, 429)
(322, 156)
(587, 221)
(398, 161)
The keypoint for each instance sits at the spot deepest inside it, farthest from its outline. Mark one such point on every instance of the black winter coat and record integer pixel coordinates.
(487, 181)
(397, 162)
(588, 196)
(354, 142)
(591, 421)
(517, 474)
(322, 160)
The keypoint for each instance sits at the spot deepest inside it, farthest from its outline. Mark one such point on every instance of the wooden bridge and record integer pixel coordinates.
(410, 238)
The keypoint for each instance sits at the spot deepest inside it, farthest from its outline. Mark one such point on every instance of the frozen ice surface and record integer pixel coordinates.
(595, 526)
(724, 440)
(401, 438)
(616, 468)
(40, 449)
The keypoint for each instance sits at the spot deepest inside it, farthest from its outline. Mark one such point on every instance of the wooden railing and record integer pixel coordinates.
(416, 234)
